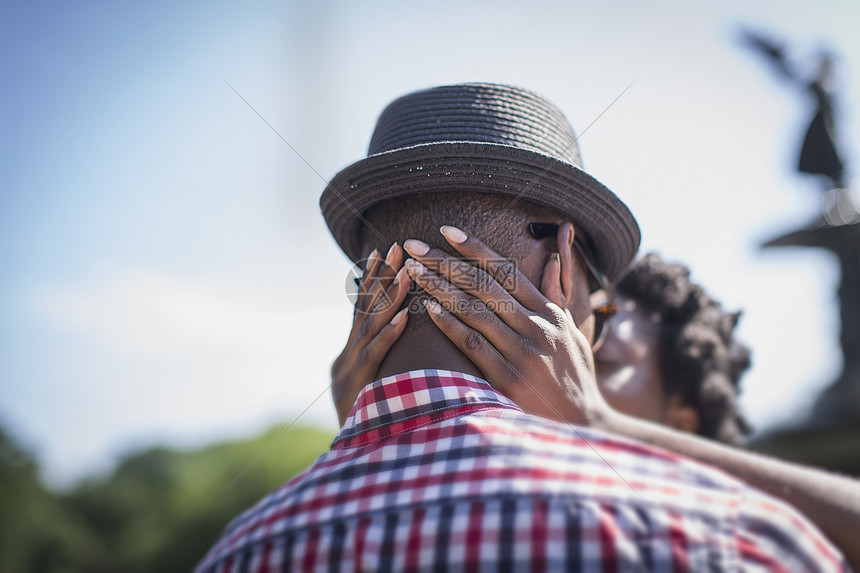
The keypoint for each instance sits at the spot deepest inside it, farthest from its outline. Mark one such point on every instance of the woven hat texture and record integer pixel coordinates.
(485, 138)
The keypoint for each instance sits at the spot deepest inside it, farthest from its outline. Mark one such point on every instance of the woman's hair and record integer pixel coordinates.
(699, 356)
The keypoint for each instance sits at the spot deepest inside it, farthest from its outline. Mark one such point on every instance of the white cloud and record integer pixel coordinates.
(145, 312)
(168, 359)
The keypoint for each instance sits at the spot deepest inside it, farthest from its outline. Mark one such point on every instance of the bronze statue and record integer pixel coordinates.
(818, 154)
(835, 418)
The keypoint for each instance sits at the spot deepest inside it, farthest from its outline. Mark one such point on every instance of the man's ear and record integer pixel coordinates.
(681, 417)
(564, 243)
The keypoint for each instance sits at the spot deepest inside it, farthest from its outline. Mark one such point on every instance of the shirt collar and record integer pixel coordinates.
(411, 399)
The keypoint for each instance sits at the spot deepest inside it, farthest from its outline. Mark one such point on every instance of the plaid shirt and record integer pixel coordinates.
(435, 470)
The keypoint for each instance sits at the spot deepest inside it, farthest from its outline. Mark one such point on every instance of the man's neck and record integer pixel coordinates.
(425, 348)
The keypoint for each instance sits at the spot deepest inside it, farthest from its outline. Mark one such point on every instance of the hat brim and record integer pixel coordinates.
(612, 235)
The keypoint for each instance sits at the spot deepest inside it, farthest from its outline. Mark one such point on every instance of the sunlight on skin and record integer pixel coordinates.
(628, 364)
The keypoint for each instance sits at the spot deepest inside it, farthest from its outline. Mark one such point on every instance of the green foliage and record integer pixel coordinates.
(37, 534)
(160, 510)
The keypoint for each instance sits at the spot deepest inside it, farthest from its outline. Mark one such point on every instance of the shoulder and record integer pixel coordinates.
(773, 534)
(764, 531)
(767, 532)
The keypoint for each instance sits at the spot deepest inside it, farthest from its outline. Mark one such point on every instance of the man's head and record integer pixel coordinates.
(479, 139)
(489, 159)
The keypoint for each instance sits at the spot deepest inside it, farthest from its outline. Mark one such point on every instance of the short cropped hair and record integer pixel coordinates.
(499, 221)
(701, 360)
(492, 217)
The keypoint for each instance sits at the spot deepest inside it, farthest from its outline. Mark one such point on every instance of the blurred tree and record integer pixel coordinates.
(160, 510)
(37, 534)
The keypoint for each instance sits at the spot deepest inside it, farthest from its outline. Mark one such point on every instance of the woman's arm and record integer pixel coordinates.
(830, 501)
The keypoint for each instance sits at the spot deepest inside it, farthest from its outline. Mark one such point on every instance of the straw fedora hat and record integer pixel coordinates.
(485, 138)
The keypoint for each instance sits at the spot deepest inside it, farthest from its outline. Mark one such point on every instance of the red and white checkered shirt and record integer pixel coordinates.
(435, 470)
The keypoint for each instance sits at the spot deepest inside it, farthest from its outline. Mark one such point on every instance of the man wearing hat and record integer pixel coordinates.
(433, 468)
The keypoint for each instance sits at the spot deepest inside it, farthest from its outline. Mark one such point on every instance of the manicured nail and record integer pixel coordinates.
(433, 306)
(399, 276)
(373, 256)
(414, 267)
(390, 256)
(453, 234)
(416, 248)
(399, 316)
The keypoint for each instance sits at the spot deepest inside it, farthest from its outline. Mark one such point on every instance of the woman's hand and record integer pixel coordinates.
(526, 345)
(376, 325)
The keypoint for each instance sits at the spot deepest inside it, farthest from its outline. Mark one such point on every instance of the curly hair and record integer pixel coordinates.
(700, 359)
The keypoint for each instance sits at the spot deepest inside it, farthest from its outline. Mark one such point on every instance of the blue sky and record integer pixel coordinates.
(165, 274)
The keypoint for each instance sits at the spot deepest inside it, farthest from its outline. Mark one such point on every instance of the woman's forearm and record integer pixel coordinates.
(830, 501)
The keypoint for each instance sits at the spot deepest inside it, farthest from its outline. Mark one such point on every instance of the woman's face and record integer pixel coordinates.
(628, 364)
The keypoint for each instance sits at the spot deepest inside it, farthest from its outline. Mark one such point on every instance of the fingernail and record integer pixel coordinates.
(453, 234)
(399, 316)
(416, 248)
(390, 255)
(555, 257)
(433, 306)
(414, 266)
(373, 256)
(399, 276)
